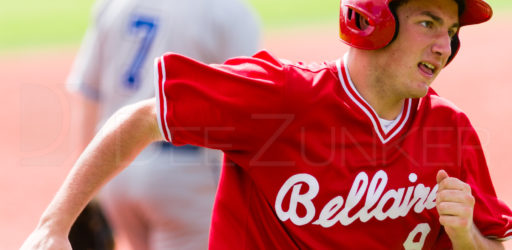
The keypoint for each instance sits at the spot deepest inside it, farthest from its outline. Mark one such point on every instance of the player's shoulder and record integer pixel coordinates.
(442, 109)
(267, 57)
(267, 63)
(262, 57)
(440, 103)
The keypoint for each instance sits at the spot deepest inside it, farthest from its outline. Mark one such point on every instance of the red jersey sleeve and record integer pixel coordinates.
(491, 215)
(219, 106)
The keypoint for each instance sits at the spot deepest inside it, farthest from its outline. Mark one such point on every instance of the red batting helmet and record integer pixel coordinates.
(381, 23)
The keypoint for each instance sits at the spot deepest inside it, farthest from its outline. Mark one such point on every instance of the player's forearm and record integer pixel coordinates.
(113, 148)
(475, 240)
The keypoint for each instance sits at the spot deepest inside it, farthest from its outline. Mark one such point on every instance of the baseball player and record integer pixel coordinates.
(359, 153)
(163, 200)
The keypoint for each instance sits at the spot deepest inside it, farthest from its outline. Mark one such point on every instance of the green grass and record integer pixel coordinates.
(280, 13)
(499, 5)
(42, 22)
(31, 23)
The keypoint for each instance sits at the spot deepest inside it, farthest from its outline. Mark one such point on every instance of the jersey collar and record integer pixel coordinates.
(353, 94)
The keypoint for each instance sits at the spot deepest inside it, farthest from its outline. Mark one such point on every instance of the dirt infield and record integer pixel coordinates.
(41, 126)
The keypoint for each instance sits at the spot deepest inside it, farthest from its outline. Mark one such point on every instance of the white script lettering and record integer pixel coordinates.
(338, 209)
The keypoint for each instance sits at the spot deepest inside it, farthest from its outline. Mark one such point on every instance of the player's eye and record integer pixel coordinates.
(427, 24)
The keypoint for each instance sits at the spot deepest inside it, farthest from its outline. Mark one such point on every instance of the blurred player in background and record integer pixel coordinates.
(164, 198)
(356, 153)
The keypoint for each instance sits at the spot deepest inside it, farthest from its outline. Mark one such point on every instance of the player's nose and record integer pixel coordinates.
(442, 46)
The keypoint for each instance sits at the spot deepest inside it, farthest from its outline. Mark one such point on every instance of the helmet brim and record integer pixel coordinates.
(477, 11)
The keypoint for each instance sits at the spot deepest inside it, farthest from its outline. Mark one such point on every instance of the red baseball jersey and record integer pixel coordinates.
(307, 162)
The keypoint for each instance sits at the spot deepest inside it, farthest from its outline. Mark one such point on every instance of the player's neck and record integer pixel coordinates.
(373, 88)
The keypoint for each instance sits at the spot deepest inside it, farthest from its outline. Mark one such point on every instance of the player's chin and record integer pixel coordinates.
(419, 91)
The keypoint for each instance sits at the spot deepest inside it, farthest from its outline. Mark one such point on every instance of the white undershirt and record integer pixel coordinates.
(387, 125)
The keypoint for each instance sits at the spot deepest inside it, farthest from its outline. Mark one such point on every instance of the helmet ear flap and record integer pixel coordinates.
(455, 45)
(366, 24)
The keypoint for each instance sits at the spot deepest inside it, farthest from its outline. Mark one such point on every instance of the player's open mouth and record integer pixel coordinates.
(427, 68)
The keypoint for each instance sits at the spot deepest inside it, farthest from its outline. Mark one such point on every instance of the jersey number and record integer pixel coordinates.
(147, 27)
(419, 233)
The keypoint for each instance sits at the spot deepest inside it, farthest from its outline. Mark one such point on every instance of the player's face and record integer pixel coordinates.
(422, 47)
